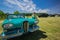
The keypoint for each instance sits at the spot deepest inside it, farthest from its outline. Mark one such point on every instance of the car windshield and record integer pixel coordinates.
(14, 16)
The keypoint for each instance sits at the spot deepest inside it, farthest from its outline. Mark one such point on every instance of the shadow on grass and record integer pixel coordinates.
(31, 36)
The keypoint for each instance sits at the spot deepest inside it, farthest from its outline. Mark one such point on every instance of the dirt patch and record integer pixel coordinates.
(1, 21)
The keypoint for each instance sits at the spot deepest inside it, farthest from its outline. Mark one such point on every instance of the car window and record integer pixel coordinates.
(15, 16)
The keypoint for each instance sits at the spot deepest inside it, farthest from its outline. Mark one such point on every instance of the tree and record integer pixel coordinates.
(2, 14)
(42, 14)
(16, 12)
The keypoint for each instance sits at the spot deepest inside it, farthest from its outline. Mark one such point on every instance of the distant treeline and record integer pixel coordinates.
(47, 15)
(4, 15)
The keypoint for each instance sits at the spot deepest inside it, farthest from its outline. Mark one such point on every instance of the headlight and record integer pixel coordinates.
(8, 25)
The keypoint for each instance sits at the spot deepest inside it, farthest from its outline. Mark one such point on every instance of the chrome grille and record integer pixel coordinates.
(26, 26)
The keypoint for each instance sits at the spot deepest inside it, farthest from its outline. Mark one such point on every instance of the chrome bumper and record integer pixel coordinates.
(11, 36)
(19, 33)
(34, 29)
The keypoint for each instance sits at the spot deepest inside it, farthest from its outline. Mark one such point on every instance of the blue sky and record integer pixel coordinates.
(40, 6)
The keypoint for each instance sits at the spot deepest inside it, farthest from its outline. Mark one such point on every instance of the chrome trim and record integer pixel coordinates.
(26, 26)
(34, 29)
(12, 35)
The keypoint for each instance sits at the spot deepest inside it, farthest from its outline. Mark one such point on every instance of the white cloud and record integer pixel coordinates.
(26, 5)
(26, 0)
(44, 11)
(7, 4)
(11, 1)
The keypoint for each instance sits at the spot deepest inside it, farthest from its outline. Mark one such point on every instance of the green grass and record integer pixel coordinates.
(0, 26)
(50, 25)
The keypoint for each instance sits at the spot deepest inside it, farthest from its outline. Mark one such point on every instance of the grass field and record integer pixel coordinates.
(49, 30)
(51, 26)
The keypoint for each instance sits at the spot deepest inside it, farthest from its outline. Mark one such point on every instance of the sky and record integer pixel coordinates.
(38, 6)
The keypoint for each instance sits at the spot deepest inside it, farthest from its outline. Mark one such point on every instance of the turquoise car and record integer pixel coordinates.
(17, 25)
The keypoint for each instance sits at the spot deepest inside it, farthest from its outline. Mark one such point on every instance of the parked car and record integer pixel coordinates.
(17, 25)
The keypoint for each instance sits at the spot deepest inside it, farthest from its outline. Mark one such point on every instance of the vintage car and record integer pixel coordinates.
(16, 25)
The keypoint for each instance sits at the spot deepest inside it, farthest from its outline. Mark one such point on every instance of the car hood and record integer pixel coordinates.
(19, 21)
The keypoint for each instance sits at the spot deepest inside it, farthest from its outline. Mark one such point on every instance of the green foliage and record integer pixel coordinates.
(28, 14)
(1, 12)
(2, 15)
(16, 12)
(42, 14)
